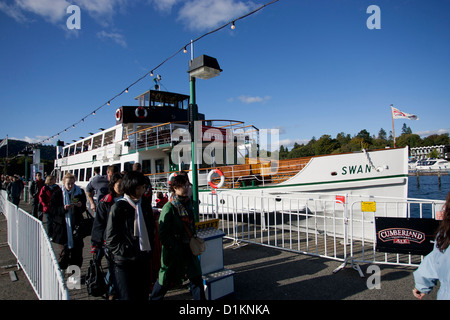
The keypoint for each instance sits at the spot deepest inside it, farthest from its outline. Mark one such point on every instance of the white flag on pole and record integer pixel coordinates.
(397, 114)
(4, 142)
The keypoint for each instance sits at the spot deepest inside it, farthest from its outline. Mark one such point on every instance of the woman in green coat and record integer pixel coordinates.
(176, 227)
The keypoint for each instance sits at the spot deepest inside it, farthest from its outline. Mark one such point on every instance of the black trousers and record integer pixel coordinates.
(72, 256)
(133, 278)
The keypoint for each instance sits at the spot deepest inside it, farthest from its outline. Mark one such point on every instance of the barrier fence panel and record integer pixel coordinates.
(363, 230)
(31, 246)
(301, 224)
(315, 224)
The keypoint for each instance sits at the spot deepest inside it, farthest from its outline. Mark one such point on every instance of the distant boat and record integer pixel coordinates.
(433, 165)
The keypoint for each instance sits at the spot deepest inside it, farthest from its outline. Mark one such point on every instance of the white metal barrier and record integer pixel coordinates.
(31, 246)
(323, 225)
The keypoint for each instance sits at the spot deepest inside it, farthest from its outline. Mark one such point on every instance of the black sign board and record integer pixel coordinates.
(405, 235)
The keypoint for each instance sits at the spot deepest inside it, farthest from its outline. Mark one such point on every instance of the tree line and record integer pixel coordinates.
(346, 143)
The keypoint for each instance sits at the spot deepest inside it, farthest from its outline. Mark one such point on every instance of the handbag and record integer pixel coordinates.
(95, 282)
(197, 245)
(84, 228)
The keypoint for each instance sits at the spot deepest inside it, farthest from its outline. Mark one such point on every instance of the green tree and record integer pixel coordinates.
(406, 129)
(325, 145)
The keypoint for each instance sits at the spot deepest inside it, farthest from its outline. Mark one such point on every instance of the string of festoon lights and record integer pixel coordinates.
(231, 23)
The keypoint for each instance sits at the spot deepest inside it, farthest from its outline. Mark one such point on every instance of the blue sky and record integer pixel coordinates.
(308, 67)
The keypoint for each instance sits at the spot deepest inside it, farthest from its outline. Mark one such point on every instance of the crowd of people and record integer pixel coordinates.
(14, 186)
(146, 248)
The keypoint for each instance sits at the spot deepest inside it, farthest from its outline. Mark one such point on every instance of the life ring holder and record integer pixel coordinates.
(118, 114)
(171, 176)
(222, 179)
(138, 114)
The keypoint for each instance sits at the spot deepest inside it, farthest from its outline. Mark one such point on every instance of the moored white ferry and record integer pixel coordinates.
(150, 134)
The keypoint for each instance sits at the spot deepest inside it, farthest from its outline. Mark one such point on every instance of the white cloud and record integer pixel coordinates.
(54, 11)
(33, 140)
(13, 11)
(200, 15)
(430, 132)
(289, 143)
(250, 99)
(116, 37)
(164, 5)
(51, 10)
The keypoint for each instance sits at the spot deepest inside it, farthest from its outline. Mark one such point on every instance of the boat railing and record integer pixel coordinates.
(154, 136)
(162, 134)
(241, 175)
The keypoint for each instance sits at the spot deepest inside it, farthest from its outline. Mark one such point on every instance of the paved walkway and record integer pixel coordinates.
(262, 273)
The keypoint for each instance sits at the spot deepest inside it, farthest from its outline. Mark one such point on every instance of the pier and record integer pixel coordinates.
(262, 273)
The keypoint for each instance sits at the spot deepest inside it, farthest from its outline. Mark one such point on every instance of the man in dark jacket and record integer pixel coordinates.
(15, 189)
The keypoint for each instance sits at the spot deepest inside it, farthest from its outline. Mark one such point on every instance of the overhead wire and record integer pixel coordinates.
(182, 49)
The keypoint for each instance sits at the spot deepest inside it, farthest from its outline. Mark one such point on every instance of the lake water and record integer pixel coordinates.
(428, 187)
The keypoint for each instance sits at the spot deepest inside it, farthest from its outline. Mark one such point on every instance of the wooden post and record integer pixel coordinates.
(418, 180)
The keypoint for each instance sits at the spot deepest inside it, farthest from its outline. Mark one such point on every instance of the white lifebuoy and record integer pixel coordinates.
(172, 175)
(138, 114)
(222, 179)
(118, 114)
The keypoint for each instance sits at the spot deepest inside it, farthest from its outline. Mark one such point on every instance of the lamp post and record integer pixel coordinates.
(202, 67)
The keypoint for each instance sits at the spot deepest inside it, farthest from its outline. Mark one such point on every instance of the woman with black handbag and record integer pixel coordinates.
(67, 206)
(176, 232)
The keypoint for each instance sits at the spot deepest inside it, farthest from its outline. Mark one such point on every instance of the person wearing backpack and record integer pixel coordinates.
(103, 208)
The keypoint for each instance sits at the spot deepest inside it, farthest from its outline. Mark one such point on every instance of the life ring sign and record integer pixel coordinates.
(118, 114)
(140, 112)
(222, 179)
(172, 175)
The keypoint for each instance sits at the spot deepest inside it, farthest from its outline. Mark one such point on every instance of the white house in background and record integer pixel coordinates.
(422, 152)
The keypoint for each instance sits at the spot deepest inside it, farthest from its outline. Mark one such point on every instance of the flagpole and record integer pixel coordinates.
(393, 130)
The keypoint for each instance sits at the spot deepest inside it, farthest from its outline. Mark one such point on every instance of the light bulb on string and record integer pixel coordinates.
(233, 26)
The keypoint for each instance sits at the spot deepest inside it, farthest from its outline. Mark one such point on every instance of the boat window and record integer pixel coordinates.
(104, 169)
(75, 173)
(146, 166)
(88, 174)
(81, 174)
(97, 143)
(78, 148)
(72, 150)
(128, 166)
(87, 145)
(159, 165)
(109, 137)
(66, 152)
